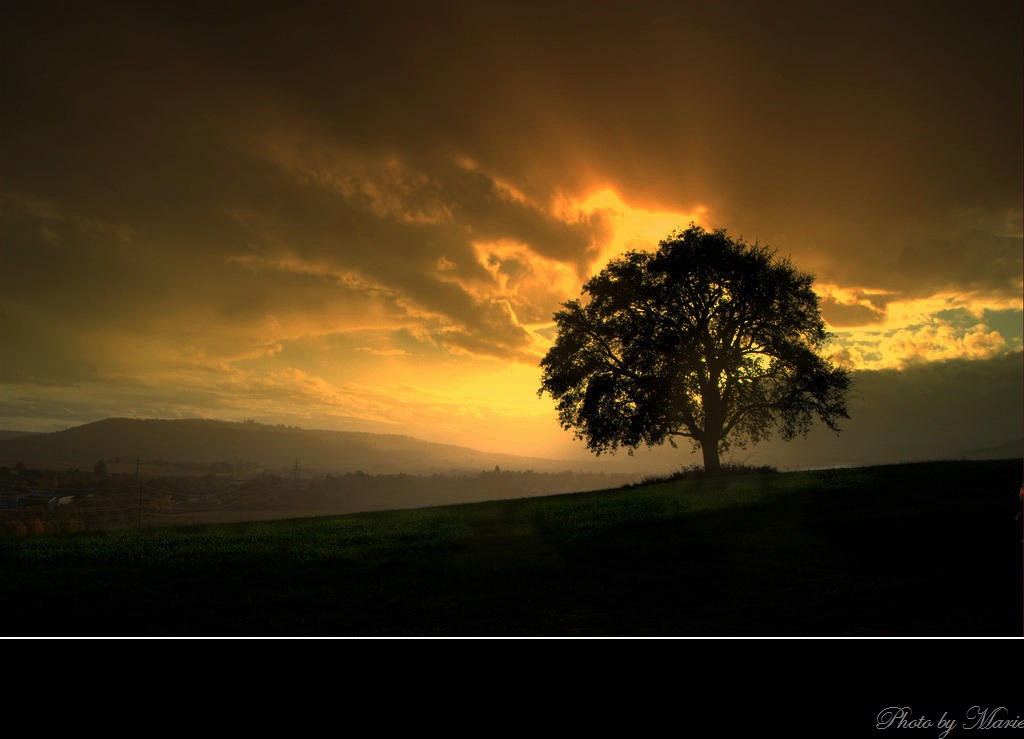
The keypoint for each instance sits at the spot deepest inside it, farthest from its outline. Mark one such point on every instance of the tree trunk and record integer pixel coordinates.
(714, 419)
(712, 463)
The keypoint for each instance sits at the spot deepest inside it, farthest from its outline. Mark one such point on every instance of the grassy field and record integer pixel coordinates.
(909, 550)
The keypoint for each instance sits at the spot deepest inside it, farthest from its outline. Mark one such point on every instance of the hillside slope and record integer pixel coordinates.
(909, 550)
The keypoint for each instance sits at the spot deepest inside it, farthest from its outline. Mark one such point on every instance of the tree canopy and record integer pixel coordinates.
(708, 338)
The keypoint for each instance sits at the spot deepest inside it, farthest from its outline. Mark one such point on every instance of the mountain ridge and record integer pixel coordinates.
(195, 444)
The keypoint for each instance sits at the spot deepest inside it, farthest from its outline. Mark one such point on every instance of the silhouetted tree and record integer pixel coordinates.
(709, 338)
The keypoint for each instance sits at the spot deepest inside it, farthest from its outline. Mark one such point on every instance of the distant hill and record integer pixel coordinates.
(5, 434)
(194, 445)
(1009, 450)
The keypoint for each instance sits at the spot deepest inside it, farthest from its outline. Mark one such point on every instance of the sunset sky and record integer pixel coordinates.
(362, 215)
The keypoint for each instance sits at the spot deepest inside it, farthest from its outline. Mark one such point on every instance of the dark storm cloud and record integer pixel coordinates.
(952, 409)
(388, 227)
(956, 409)
(862, 110)
(150, 149)
(141, 121)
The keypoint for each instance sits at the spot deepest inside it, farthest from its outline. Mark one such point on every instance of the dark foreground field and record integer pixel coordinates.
(909, 550)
